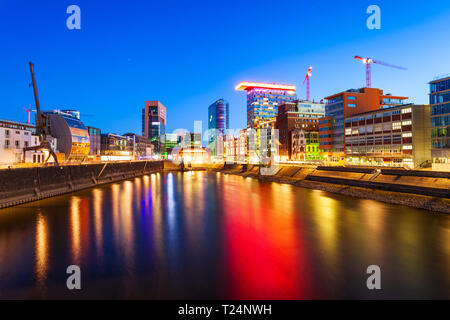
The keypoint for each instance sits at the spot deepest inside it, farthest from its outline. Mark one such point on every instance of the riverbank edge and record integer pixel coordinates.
(76, 185)
(435, 204)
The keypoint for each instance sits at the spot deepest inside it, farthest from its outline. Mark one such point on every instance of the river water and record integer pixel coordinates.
(215, 236)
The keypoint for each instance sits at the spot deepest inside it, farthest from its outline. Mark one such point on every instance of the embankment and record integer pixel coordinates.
(23, 185)
(420, 189)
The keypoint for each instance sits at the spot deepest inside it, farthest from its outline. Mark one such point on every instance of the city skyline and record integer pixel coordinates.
(111, 94)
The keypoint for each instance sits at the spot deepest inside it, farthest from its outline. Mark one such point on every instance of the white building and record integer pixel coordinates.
(14, 136)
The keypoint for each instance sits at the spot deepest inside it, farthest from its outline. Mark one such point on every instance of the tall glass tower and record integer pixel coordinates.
(218, 119)
(440, 121)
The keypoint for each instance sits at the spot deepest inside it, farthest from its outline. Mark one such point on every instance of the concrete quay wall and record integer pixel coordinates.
(415, 188)
(23, 185)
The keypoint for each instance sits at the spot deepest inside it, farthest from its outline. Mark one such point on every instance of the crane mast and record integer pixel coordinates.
(307, 77)
(41, 131)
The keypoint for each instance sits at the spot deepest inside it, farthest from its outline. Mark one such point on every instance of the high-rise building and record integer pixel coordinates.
(351, 102)
(298, 115)
(219, 116)
(440, 122)
(218, 124)
(154, 124)
(263, 100)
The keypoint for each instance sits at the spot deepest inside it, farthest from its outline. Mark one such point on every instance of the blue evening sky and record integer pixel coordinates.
(187, 54)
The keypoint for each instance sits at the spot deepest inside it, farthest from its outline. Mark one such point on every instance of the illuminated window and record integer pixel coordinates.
(396, 125)
(348, 131)
(407, 110)
(407, 147)
(406, 123)
(407, 135)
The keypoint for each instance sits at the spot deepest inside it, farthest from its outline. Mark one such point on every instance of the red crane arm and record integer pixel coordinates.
(388, 64)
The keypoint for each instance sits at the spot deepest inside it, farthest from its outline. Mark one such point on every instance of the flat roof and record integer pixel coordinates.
(245, 86)
(363, 91)
(440, 78)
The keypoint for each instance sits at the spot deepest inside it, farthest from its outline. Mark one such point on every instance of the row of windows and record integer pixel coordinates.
(25, 133)
(440, 121)
(440, 132)
(440, 86)
(16, 144)
(388, 126)
(381, 149)
(441, 143)
(440, 98)
(440, 109)
(379, 115)
(378, 139)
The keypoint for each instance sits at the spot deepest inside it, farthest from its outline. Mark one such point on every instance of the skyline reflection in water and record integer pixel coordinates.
(209, 235)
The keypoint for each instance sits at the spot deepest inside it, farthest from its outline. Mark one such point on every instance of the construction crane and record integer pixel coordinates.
(307, 77)
(41, 130)
(368, 62)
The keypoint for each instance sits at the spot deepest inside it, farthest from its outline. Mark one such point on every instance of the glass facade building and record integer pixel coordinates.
(262, 104)
(263, 100)
(219, 116)
(440, 119)
(218, 123)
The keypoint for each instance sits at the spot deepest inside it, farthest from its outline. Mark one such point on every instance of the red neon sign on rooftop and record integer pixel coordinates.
(246, 86)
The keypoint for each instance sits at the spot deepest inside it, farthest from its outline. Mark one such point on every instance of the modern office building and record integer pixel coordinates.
(218, 123)
(142, 147)
(71, 134)
(115, 147)
(95, 141)
(263, 100)
(440, 122)
(397, 136)
(154, 121)
(354, 101)
(297, 115)
(219, 116)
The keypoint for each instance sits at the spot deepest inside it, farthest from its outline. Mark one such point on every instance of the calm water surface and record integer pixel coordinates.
(208, 235)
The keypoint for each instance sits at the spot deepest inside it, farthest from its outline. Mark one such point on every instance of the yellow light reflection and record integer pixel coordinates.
(98, 224)
(75, 224)
(41, 249)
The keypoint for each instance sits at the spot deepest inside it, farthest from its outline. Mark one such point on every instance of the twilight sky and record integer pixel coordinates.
(187, 54)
